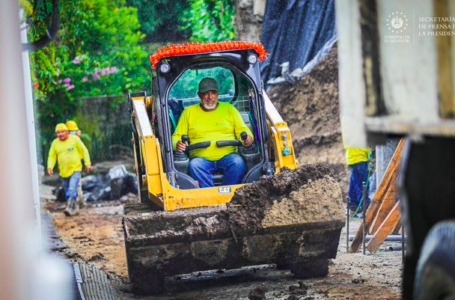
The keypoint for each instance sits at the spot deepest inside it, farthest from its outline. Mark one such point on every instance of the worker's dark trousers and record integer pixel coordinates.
(359, 174)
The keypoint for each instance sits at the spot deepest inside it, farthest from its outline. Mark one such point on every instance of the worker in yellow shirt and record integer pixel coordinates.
(212, 121)
(76, 132)
(68, 151)
(357, 160)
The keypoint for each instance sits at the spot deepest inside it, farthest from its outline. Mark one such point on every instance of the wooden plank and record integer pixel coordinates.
(385, 229)
(352, 93)
(397, 228)
(443, 48)
(403, 68)
(389, 178)
(387, 204)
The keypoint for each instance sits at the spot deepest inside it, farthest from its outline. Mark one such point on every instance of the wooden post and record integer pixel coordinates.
(386, 206)
(396, 230)
(385, 229)
(389, 179)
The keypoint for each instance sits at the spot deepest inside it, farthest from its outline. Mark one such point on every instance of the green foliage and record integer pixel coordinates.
(210, 20)
(97, 52)
(160, 19)
(187, 85)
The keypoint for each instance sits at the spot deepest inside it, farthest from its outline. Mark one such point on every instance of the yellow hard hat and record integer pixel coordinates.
(60, 127)
(72, 126)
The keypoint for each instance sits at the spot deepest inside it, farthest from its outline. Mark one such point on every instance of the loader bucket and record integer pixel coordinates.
(293, 220)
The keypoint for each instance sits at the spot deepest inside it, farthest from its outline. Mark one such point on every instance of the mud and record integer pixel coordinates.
(311, 109)
(308, 194)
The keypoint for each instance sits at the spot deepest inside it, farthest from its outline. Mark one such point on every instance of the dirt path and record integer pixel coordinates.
(96, 237)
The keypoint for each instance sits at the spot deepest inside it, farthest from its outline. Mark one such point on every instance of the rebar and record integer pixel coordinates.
(347, 226)
(363, 214)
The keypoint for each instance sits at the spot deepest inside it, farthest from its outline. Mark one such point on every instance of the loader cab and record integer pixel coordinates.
(174, 87)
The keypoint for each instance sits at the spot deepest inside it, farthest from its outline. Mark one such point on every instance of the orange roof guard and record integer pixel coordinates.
(191, 48)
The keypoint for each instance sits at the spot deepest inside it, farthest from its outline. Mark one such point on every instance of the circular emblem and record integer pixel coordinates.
(397, 22)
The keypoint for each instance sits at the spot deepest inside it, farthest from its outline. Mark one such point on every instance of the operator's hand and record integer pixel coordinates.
(248, 141)
(88, 169)
(50, 172)
(181, 146)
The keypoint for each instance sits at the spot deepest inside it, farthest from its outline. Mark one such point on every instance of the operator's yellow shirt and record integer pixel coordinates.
(68, 154)
(223, 124)
(356, 155)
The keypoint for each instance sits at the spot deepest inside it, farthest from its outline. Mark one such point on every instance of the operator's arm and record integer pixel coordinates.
(182, 128)
(239, 125)
(51, 160)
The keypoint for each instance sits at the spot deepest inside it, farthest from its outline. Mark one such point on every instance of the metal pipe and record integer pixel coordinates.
(363, 212)
(17, 249)
(25, 273)
(31, 135)
(395, 248)
(347, 226)
(390, 238)
(402, 240)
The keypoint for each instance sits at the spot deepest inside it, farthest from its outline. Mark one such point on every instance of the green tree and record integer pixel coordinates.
(97, 52)
(210, 20)
(161, 19)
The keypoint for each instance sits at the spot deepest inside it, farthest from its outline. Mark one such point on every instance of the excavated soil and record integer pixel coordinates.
(311, 109)
(96, 237)
(308, 194)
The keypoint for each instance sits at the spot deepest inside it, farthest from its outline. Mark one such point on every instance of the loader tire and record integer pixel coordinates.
(435, 273)
(149, 285)
(310, 269)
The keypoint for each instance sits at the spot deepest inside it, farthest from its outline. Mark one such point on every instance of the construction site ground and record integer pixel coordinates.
(95, 237)
(310, 107)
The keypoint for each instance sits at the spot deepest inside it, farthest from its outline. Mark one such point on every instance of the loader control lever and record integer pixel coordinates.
(234, 143)
(185, 139)
(251, 148)
(181, 156)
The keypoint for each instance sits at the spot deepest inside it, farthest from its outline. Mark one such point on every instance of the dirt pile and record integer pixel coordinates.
(311, 109)
(306, 195)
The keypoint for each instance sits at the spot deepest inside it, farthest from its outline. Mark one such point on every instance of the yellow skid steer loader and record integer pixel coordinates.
(180, 228)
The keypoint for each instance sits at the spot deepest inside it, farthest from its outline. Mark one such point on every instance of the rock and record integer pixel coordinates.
(59, 193)
(258, 293)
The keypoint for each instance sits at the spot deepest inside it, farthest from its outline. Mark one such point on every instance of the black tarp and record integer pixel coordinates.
(294, 31)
